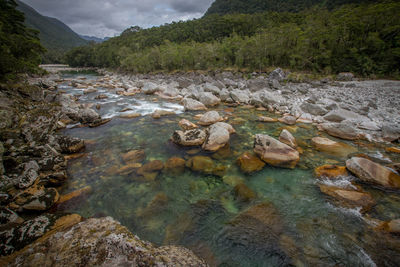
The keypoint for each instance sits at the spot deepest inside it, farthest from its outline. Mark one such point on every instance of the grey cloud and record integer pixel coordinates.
(108, 18)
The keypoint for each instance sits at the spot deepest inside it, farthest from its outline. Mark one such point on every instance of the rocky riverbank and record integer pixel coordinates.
(34, 155)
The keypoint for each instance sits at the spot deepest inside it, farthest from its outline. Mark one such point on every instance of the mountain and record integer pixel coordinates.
(223, 7)
(94, 38)
(54, 34)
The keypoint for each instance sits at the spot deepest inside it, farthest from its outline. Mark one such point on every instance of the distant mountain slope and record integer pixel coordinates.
(54, 34)
(223, 7)
(94, 38)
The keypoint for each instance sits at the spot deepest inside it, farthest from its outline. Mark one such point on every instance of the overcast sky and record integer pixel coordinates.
(108, 18)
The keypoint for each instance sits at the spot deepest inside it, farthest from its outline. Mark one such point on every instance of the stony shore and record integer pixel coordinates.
(34, 155)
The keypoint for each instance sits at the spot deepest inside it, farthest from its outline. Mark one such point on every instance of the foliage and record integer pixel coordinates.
(223, 7)
(19, 46)
(363, 39)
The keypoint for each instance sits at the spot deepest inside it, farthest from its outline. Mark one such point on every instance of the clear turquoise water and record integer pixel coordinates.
(196, 209)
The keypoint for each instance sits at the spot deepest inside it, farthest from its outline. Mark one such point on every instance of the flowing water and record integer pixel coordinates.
(201, 211)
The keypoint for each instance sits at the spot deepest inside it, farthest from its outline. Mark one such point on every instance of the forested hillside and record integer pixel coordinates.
(20, 48)
(360, 38)
(54, 35)
(223, 7)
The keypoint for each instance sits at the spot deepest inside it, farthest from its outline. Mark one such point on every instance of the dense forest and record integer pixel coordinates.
(20, 48)
(364, 39)
(223, 7)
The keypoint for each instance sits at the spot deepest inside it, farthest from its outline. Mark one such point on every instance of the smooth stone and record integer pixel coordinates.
(274, 152)
(290, 120)
(218, 136)
(266, 119)
(330, 171)
(393, 149)
(195, 137)
(187, 125)
(209, 118)
(369, 171)
(151, 166)
(174, 166)
(338, 115)
(194, 105)
(249, 163)
(130, 115)
(126, 169)
(208, 99)
(158, 113)
(137, 155)
(287, 138)
(100, 242)
(332, 147)
(313, 109)
(201, 164)
(149, 88)
(341, 130)
(349, 198)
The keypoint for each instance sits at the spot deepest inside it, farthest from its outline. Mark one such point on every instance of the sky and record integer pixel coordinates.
(109, 18)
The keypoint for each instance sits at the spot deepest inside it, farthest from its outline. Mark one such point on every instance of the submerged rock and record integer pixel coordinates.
(349, 198)
(195, 137)
(209, 118)
(174, 166)
(332, 147)
(274, 152)
(243, 192)
(206, 165)
(101, 242)
(191, 104)
(287, 138)
(249, 163)
(392, 226)
(158, 113)
(369, 171)
(136, 155)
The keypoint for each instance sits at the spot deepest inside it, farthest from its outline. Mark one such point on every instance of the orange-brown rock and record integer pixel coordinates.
(393, 149)
(249, 163)
(187, 125)
(137, 155)
(332, 147)
(266, 119)
(349, 198)
(130, 115)
(175, 166)
(243, 192)
(330, 171)
(75, 194)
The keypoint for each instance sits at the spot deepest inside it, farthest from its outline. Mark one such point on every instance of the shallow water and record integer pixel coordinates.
(197, 210)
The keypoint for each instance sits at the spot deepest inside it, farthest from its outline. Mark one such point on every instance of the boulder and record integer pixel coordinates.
(330, 171)
(240, 96)
(266, 119)
(369, 171)
(100, 242)
(338, 115)
(159, 112)
(391, 132)
(349, 198)
(218, 136)
(174, 166)
(70, 144)
(313, 109)
(274, 152)
(191, 104)
(201, 164)
(209, 118)
(208, 99)
(195, 137)
(187, 125)
(88, 115)
(341, 130)
(290, 120)
(243, 192)
(151, 169)
(29, 175)
(332, 147)
(130, 115)
(150, 88)
(392, 226)
(42, 202)
(277, 74)
(287, 138)
(249, 163)
(208, 87)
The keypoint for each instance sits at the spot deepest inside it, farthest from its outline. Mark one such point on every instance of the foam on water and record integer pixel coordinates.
(342, 182)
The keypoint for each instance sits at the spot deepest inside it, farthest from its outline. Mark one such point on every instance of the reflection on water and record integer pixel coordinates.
(283, 220)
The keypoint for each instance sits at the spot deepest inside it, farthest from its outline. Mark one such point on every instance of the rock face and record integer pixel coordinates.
(218, 136)
(191, 104)
(287, 138)
(349, 198)
(274, 152)
(101, 242)
(249, 163)
(195, 137)
(209, 118)
(371, 172)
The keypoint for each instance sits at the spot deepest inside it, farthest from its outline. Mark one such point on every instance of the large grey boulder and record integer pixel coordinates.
(341, 130)
(338, 115)
(313, 109)
(391, 132)
(218, 136)
(150, 88)
(240, 96)
(208, 99)
(191, 104)
(208, 87)
(209, 118)
(194, 137)
(257, 84)
(88, 115)
(277, 74)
